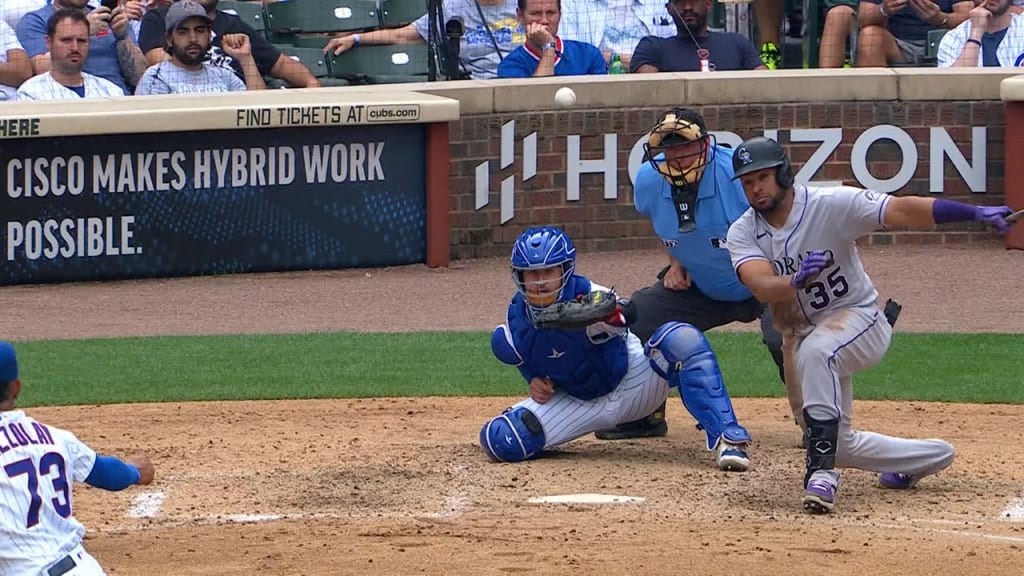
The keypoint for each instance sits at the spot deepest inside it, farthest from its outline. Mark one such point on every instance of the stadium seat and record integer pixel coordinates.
(314, 59)
(305, 16)
(398, 13)
(386, 64)
(250, 12)
(310, 41)
(931, 48)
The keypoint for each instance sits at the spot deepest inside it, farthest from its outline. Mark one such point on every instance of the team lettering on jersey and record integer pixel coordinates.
(15, 434)
(788, 265)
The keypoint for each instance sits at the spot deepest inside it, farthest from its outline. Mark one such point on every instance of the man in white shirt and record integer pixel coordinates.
(67, 41)
(14, 65)
(187, 72)
(992, 36)
(615, 26)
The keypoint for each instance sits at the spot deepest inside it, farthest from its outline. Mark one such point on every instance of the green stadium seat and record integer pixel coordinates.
(310, 41)
(312, 58)
(305, 16)
(931, 47)
(387, 64)
(398, 13)
(250, 12)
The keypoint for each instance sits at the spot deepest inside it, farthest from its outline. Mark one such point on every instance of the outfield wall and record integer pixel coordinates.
(361, 177)
(517, 160)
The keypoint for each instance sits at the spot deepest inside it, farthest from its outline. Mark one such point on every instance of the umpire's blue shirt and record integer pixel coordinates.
(720, 202)
(573, 59)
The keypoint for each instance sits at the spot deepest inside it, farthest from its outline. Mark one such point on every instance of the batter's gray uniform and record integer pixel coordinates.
(836, 319)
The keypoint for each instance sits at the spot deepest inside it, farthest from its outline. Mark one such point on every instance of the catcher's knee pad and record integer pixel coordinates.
(514, 436)
(679, 353)
(822, 441)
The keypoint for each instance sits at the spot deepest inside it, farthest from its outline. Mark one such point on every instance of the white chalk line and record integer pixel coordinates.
(1014, 511)
(147, 504)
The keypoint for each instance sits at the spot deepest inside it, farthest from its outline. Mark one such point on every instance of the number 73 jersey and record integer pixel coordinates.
(822, 219)
(38, 464)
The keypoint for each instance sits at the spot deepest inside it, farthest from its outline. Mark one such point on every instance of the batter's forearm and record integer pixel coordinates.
(772, 289)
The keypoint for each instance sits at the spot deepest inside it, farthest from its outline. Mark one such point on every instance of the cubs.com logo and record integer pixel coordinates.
(744, 155)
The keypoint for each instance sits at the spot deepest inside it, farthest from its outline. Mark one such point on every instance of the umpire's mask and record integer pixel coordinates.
(678, 147)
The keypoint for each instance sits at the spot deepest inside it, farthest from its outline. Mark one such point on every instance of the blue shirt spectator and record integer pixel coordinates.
(571, 59)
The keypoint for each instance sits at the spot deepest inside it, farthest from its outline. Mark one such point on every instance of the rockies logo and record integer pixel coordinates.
(744, 155)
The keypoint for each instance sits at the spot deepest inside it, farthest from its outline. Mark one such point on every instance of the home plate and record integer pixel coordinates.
(586, 499)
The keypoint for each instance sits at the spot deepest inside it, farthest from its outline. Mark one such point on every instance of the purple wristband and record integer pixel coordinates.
(944, 211)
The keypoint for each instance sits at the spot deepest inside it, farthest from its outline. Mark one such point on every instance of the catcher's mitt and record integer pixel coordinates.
(597, 306)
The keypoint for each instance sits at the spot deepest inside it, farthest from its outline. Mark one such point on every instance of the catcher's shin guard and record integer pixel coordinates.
(514, 436)
(822, 439)
(679, 353)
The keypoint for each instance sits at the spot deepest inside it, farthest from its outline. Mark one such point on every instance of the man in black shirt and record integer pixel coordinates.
(269, 60)
(694, 47)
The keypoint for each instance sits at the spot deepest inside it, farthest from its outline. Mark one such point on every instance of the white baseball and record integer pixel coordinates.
(565, 97)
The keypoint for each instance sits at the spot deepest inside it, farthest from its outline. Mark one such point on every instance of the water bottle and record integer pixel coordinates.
(616, 66)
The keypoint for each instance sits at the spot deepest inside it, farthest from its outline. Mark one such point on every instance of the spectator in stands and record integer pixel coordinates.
(67, 46)
(896, 31)
(186, 72)
(484, 44)
(11, 11)
(840, 18)
(113, 54)
(545, 53)
(615, 26)
(694, 47)
(768, 14)
(269, 60)
(14, 65)
(992, 36)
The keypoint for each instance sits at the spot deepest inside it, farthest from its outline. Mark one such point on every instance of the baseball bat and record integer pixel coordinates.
(1015, 216)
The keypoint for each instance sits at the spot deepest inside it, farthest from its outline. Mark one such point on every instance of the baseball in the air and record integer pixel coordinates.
(565, 97)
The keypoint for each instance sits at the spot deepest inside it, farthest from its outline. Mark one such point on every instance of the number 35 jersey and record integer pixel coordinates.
(822, 219)
(38, 464)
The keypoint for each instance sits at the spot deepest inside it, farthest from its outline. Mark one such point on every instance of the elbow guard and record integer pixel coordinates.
(109, 473)
(503, 348)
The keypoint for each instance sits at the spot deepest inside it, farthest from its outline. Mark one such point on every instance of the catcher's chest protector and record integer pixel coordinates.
(577, 366)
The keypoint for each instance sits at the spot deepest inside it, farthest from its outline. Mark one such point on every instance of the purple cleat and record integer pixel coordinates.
(819, 496)
(897, 481)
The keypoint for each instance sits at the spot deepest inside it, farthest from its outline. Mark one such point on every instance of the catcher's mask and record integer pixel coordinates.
(678, 147)
(538, 249)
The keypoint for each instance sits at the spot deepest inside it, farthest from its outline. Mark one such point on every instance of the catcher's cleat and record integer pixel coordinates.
(652, 426)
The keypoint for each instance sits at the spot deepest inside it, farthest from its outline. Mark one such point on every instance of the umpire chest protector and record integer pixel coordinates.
(575, 364)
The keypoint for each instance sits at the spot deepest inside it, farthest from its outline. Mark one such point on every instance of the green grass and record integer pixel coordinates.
(949, 368)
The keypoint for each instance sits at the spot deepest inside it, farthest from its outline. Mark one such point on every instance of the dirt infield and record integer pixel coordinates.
(398, 486)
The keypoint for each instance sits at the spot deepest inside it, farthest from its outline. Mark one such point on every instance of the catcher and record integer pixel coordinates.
(570, 340)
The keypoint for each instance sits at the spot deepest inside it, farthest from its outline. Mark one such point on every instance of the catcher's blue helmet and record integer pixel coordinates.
(539, 248)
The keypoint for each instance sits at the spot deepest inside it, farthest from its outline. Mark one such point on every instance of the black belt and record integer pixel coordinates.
(65, 565)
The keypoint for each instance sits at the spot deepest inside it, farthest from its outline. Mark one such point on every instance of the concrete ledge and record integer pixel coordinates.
(952, 84)
(694, 88)
(1012, 89)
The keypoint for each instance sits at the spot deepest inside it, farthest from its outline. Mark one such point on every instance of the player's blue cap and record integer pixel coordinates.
(8, 363)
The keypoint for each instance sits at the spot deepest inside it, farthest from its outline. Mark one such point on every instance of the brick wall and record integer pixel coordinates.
(595, 223)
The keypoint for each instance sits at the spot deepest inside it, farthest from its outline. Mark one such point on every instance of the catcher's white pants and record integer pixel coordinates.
(640, 392)
(849, 341)
(85, 565)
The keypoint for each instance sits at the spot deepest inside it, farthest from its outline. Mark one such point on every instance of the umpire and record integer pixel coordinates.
(687, 190)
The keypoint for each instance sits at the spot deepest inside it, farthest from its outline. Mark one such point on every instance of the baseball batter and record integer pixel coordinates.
(795, 249)
(583, 380)
(38, 466)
